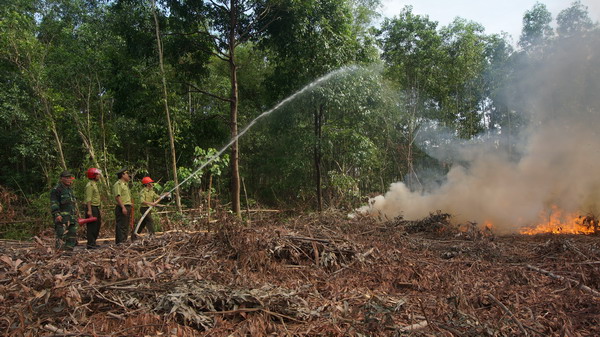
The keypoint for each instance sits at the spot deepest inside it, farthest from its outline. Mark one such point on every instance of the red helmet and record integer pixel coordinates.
(91, 172)
(147, 180)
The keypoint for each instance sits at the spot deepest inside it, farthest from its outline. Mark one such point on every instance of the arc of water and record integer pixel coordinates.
(241, 133)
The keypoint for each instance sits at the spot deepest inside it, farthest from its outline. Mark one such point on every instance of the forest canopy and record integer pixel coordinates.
(159, 86)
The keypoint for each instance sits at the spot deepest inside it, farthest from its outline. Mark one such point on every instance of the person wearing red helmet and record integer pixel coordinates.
(92, 201)
(147, 198)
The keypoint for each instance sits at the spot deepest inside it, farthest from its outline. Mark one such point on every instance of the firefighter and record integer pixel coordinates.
(92, 201)
(147, 199)
(123, 207)
(63, 205)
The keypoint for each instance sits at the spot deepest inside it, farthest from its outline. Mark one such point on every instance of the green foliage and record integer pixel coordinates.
(536, 28)
(443, 73)
(345, 191)
(196, 179)
(80, 80)
(573, 20)
(20, 231)
(208, 162)
(312, 38)
(357, 115)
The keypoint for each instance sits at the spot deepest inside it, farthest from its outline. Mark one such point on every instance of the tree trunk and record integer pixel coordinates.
(210, 178)
(84, 130)
(235, 173)
(166, 102)
(318, 156)
(106, 177)
(59, 148)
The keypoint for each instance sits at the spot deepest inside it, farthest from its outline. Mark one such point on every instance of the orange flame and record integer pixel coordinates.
(488, 225)
(556, 223)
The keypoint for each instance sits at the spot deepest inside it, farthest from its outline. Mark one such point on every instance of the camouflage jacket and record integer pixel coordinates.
(63, 202)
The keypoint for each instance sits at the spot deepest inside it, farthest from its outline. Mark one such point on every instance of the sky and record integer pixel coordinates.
(495, 15)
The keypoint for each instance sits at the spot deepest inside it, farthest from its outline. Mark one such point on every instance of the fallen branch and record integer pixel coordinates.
(54, 329)
(448, 328)
(414, 327)
(567, 280)
(131, 280)
(512, 316)
(369, 252)
(307, 239)
(229, 312)
(281, 315)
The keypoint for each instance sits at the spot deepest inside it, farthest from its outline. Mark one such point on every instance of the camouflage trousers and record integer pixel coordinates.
(66, 235)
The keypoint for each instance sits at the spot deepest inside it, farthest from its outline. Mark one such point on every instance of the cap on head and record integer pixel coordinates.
(121, 172)
(147, 180)
(67, 174)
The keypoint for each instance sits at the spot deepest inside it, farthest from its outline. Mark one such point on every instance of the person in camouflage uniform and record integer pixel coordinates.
(63, 205)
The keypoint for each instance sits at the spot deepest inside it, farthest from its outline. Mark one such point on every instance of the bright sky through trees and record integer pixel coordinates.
(496, 16)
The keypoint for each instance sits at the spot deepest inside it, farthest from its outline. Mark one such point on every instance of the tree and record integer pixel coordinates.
(227, 24)
(412, 51)
(310, 39)
(573, 20)
(166, 104)
(536, 31)
(21, 47)
(498, 72)
(461, 91)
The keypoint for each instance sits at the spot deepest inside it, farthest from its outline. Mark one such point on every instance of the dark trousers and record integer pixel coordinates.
(122, 223)
(93, 228)
(148, 221)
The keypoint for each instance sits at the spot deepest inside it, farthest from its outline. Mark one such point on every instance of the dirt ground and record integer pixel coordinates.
(309, 275)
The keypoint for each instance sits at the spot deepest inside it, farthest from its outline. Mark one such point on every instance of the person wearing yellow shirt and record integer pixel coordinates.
(148, 198)
(123, 207)
(92, 202)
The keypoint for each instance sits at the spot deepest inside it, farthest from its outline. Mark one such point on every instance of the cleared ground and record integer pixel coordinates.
(307, 276)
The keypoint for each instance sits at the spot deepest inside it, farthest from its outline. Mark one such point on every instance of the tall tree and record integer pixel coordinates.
(536, 32)
(20, 46)
(166, 104)
(463, 81)
(227, 24)
(310, 39)
(500, 119)
(77, 66)
(573, 20)
(412, 52)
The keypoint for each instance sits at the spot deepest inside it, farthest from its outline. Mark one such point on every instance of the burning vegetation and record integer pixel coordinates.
(308, 276)
(557, 223)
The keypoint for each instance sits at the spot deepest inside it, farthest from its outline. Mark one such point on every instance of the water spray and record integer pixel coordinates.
(245, 129)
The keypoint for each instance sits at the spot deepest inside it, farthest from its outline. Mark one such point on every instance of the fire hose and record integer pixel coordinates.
(132, 219)
(84, 221)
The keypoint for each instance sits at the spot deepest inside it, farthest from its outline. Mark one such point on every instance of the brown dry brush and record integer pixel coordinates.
(306, 276)
(7, 199)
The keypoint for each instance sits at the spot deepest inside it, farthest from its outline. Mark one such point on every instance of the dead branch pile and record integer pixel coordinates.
(198, 301)
(309, 275)
(436, 222)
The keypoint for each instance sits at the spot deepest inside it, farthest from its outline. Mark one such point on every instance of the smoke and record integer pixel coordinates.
(559, 152)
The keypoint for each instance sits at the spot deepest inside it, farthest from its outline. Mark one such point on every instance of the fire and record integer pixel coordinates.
(488, 225)
(556, 223)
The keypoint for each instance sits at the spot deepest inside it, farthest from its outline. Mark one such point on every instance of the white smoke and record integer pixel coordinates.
(559, 161)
